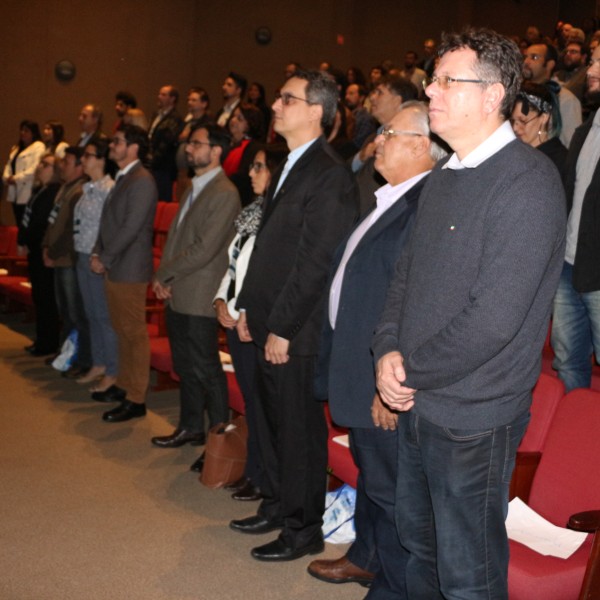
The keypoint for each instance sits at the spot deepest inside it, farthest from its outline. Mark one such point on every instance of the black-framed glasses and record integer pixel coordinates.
(522, 122)
(445, 81)
(257, 167)
(118, 140)
(197, 143)
(286, 98)
(389, 133)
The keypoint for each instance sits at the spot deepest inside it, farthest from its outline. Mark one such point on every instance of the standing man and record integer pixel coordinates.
(311, 203)
(364, 124)
(234, 88)
(459, 341)
(576, 317)
(412, 72)
(59, 254)
(124, 252)
(539, 63)
(361, 271)
(90, 122)
(164, 135)
(192, 264)
(123, 102)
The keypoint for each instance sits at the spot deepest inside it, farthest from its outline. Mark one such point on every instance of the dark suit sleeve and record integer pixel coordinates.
(140, 200)
(328, 214)
(63, 244)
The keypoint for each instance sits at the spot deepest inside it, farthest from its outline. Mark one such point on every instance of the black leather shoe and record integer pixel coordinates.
(278, 550)
(248, 493)
(255, 525)
(237, 485)
(178, 438)
(125, 411)
(198, 464)
(111, 394)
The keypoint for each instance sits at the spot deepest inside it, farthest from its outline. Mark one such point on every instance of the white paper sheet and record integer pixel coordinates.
(524, 525)
(342, 440)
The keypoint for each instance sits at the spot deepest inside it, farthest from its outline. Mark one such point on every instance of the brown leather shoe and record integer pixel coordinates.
(340, 571)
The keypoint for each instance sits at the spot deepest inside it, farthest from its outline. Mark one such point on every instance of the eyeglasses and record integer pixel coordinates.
(257, 167)
(197, 143)
(286, 98)
(389, 133)
(118, 140)
(522, 122)
(89, 155)
(445, 82)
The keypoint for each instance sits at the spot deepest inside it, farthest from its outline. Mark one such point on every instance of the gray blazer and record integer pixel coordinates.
(124, 242)
(195, 254)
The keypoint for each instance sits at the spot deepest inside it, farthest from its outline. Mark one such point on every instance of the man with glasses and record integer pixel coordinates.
(458, 345)
(386, 99)
(310, 204)
(538, 65)
(193, 261)
(360, 275)
(123, 252)
(576, 318)
(573, 74)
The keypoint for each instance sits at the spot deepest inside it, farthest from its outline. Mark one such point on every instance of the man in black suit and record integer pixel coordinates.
(310, 205)
(362, 268)
(164, 133)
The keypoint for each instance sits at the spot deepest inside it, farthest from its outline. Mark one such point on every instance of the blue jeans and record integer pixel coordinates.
(575, 332)
(104, 343)
(451, 504)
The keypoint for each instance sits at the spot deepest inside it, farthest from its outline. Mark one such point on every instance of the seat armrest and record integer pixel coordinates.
(588, 521)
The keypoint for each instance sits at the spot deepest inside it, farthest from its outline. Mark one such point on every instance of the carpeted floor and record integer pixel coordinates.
(92, 511)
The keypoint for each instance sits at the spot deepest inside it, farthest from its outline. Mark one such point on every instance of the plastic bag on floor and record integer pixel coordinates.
(68, 353)
(338, 520)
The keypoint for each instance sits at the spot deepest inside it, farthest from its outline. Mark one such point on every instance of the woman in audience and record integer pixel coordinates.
(87, 221)
(20, 168)
(256, 96)
(53, 135)
(536, 120)
(246, 127)
(32, 228)
(355, 75)
(242, 354)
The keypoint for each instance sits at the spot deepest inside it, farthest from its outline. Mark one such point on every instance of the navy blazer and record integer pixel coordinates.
(345, 369)
(284, 288)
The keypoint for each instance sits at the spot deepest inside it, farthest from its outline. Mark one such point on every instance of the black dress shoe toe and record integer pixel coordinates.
(74, 372)
(198, 465)
(255, 525)
(278, 550)
(248, 493)
(125, 411)
(111, 394)
(178, 438)
(236, 485)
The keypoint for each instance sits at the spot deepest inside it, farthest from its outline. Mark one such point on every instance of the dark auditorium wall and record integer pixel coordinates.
(140, 45)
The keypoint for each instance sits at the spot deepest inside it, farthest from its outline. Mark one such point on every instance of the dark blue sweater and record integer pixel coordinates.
(470, 301)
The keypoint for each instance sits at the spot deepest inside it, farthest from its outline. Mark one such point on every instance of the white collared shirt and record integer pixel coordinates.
(386, 197)
(126, 169)
(500, 138)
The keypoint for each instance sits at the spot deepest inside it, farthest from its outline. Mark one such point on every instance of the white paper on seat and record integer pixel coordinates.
(342, 440)
(524, 525)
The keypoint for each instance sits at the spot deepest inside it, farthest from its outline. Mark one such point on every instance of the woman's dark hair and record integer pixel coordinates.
(33, 127)
(359, 76)
(261, 89)
(102, 149)
(274, 155)
(58, 132)
(255, 120)
(543, 99)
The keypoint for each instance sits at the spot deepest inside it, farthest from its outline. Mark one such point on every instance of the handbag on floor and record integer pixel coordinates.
(225, 453)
